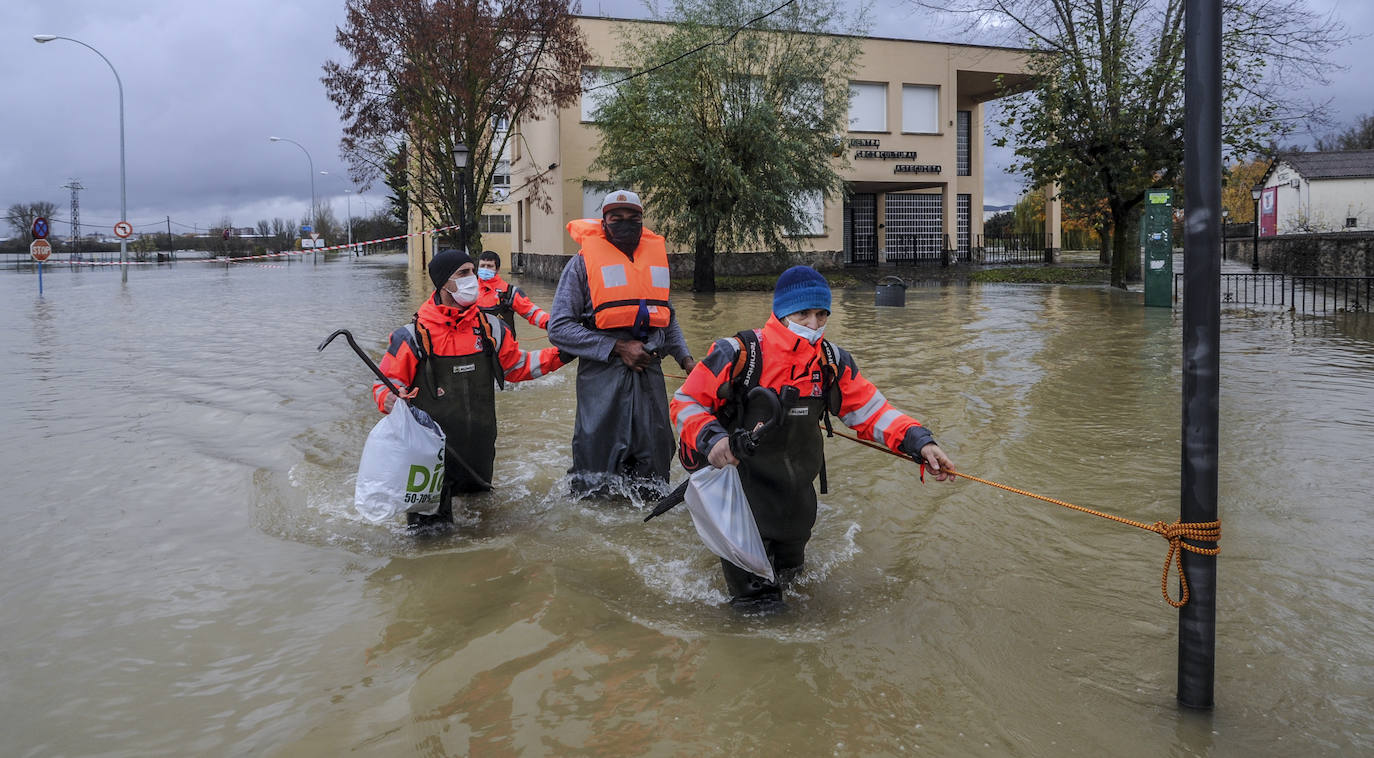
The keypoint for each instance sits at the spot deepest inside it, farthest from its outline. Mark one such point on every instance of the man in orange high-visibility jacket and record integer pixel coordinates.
(611, 310)
(451, 356)
(502, 298)
(788, 352)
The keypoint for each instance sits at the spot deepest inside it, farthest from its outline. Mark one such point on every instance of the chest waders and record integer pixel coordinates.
(459, 392)
(777, 477)
(777, 481)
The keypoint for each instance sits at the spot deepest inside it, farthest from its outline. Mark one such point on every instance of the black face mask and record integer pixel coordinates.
(624, 234)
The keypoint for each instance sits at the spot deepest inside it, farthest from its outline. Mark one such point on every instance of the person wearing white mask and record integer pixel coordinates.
(450, 358)
(504, 299)
(813, 380)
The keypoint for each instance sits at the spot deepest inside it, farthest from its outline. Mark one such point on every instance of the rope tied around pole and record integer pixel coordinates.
(1175, 533)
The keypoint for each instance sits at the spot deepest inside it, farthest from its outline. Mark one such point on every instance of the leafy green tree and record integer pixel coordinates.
(1360, 136)
(730, 133)
(1105, 118)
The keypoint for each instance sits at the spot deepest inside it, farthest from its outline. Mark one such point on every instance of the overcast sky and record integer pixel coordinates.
(206, 83)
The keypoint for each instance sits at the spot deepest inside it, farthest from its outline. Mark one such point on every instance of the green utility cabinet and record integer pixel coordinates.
(1156, 236)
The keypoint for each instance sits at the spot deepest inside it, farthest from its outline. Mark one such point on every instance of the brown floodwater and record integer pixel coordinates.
(182, 572)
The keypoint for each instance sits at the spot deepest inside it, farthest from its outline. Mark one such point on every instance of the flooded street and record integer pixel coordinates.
(182, 571)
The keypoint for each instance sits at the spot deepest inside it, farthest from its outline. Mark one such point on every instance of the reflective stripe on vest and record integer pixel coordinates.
(618, 285)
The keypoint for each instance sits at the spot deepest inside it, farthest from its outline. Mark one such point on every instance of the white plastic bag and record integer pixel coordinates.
(402, 467)
(721, 514)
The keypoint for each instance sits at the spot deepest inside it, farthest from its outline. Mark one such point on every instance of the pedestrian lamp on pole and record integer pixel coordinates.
(460, 160)
(309, 160)
(123, 200)
(1254, 244)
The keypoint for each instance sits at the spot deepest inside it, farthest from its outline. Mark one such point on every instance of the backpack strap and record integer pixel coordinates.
(830, 390)
(425, 342)
(491, 328)
(745, 372)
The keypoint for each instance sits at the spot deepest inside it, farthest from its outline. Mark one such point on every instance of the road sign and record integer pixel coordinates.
(123, 230)
(314, 235)
(40, 228)
(40, 249)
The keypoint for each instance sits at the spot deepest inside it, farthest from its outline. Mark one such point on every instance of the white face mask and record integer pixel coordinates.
(486, 274)
(466, 294)
(805, 332)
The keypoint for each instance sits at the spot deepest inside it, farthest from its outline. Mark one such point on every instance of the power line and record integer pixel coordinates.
(718, 43)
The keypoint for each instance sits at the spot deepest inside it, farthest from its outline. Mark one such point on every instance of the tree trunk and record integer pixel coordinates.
(1104, 244)
(704, 264)
(1123, 246)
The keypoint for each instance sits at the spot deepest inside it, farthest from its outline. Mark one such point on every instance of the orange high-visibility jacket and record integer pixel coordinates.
(787, 359)
(620, 284)
(456, 332)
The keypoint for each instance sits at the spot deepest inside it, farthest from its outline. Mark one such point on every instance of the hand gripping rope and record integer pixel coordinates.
(1175, 533)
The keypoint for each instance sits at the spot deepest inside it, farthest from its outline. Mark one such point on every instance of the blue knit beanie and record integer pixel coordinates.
(800, 288)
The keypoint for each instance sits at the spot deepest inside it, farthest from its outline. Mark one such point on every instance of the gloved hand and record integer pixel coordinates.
(565, 357)
(919, 443)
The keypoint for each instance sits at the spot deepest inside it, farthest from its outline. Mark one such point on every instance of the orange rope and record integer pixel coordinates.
(1175, 533)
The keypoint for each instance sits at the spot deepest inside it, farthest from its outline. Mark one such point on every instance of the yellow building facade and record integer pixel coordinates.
(914, 147)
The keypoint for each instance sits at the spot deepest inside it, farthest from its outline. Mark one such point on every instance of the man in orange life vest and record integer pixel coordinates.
(503, 299)
(612, 312)
(451, 356)
(788, 352)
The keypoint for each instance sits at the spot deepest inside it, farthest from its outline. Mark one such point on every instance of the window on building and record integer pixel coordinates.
(805, 101)
(963, 151)
(920, 109)
(494, 223)
(1351, 222)
(591, 201)
(812, 208)
(867, 107)
(595, 93)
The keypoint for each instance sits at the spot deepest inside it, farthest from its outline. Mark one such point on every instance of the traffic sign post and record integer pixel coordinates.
(40, 249)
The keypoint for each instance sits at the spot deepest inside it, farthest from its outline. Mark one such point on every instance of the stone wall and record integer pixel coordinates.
(1329, 254)
(549, 267)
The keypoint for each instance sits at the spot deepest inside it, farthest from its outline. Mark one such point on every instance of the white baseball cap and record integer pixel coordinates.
(621, 199)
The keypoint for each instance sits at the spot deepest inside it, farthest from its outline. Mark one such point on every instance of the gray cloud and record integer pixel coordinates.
(205, 84)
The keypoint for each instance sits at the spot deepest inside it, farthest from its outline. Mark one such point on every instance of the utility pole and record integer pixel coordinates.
(75, 186)
(170, 255)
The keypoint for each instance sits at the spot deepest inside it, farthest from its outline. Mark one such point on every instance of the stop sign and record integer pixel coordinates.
(40, 249)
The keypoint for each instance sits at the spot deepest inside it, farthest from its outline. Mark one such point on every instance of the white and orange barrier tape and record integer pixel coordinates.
(238, 259)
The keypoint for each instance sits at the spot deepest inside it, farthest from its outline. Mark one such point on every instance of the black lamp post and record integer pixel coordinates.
(460, 160)
(1254, 242)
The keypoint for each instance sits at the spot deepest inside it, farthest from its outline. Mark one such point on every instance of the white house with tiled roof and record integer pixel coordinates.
(1318, 192)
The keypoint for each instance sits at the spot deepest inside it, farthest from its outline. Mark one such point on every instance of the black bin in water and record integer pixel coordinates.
(891, 291)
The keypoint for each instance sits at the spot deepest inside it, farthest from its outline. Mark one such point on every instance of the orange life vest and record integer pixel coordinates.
(619, 285)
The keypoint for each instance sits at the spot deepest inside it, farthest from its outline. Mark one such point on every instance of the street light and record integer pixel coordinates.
(123, 200)
(1254, 244)
(311, 161)
(460, 160)
(347, 194)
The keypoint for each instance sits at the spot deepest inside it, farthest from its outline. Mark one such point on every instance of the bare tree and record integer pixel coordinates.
(1360, 136)
(423, 76)
(20, 216)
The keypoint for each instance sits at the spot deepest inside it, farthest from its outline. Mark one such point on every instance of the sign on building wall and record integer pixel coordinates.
(1269, 212)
